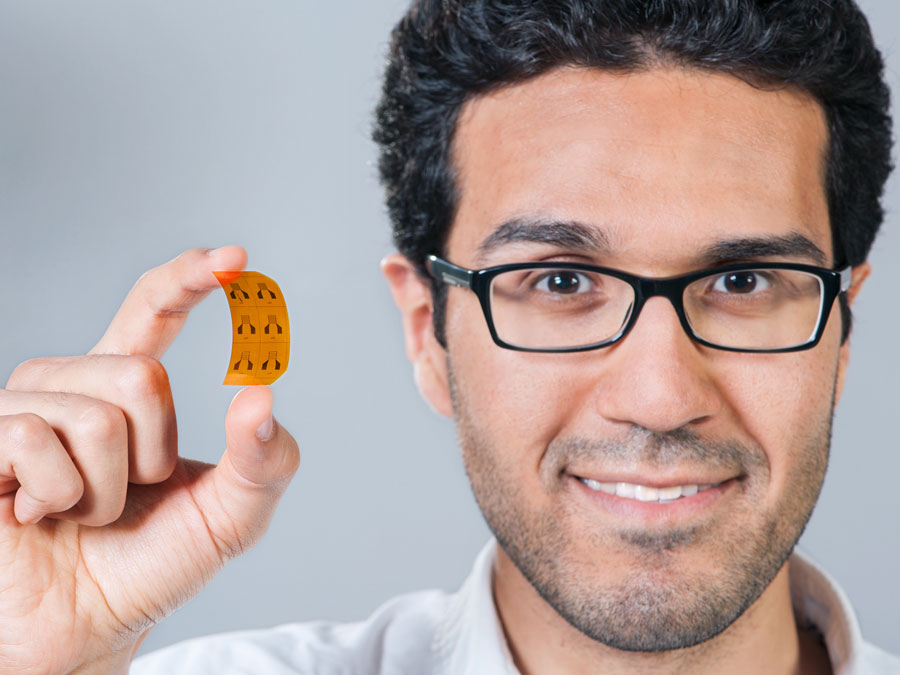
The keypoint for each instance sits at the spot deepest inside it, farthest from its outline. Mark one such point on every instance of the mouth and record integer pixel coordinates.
(648, 493)
(656, 500)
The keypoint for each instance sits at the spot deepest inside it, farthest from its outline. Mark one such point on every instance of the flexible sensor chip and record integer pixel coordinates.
(260, 331)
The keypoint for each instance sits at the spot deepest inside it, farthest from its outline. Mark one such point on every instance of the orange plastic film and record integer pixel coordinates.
(260, 330)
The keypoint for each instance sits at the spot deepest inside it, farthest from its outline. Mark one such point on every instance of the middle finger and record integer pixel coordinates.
(94, 435)
(138, 385)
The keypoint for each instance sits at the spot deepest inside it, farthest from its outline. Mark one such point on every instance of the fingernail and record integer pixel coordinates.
(266, 430)
(211, 252)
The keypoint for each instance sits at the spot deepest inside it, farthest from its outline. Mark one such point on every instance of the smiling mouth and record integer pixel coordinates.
(646, 493)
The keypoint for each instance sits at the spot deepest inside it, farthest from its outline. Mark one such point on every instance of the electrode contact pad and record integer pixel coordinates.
(260, 331)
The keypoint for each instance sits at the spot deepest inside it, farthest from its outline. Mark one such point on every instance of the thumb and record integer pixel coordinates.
(259, 461)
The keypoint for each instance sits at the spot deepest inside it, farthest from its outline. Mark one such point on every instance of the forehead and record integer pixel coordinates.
(663, 162)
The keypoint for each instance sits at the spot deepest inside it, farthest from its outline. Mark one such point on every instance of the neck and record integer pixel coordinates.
(764, 639)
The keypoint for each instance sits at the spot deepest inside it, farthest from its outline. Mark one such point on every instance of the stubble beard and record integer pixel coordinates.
(659, 606)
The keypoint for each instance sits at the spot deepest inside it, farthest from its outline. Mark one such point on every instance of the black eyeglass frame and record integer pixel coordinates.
(834, 282)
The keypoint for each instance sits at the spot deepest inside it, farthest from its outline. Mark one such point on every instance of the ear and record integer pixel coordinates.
(412, 296)
(859, 274)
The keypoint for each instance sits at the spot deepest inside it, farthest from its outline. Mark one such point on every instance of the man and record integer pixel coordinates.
(630, 235)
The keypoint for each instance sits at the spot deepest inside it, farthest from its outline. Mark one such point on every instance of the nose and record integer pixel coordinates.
(657, 377)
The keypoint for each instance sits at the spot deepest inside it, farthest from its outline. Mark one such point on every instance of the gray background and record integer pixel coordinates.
(130, 131)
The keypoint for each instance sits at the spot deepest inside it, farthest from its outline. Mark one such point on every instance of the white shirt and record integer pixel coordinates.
(435, 633)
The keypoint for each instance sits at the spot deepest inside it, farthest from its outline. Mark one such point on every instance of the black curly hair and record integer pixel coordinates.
(444, 52)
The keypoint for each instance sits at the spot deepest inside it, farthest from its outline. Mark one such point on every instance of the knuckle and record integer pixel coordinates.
(68, 492)
(142, 377)
(159, 273)
(146, 279)
(27, 373)
(101, 422)
(26, 428)
(190, 256)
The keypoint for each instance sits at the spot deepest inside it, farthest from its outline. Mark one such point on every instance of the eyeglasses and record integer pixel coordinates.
(571, 307)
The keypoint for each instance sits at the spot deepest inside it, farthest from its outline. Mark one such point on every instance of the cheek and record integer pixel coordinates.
(516, 401)
(790, 392)
(785, 403)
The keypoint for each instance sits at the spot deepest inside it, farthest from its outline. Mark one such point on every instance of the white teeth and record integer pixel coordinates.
(671, 492)
(625, 490)
(645, 493)
(608, 488)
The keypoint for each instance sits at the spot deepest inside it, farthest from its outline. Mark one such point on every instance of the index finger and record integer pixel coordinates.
(157, 306)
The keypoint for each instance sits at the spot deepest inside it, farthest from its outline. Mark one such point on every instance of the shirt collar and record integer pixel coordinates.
(470, 638)
(821, 604)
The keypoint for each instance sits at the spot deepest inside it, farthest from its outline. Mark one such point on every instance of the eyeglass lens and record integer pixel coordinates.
(565, 308)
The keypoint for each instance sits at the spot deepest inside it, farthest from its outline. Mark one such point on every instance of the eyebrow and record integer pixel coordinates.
(579, 236)
(735, 250)
(562, 234)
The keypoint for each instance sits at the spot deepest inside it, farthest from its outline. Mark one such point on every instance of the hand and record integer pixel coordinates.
(104, 530)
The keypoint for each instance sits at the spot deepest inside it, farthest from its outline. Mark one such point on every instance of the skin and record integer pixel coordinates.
(91, 483)
(666, 164)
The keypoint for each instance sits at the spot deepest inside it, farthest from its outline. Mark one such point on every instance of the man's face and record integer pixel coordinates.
(671, 168)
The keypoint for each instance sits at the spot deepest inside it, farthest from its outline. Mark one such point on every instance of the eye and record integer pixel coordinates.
(742, 282)
(566, 282)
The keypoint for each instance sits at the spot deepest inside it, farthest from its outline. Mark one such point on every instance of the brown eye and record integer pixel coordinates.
(741, 283)
(564, 282)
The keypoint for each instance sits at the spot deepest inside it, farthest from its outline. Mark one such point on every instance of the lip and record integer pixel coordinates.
(656, 482)
(632, 509)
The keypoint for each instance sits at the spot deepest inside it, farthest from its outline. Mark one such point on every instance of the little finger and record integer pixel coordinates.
(32, 454)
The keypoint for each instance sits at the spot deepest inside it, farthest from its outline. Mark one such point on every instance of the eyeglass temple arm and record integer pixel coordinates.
(448, 272)
(846, 279)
